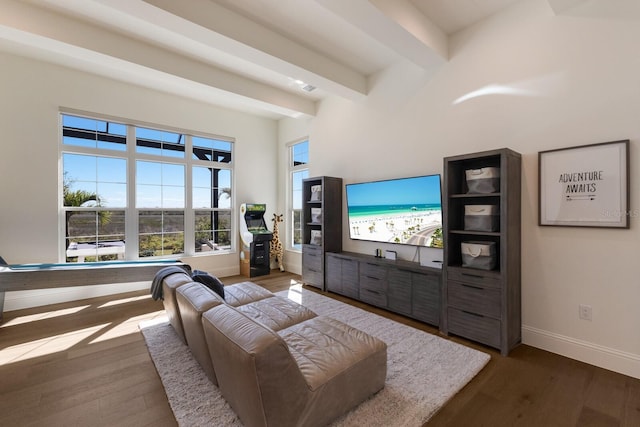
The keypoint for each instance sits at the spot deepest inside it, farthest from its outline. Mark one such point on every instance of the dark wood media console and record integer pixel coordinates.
(403, 287)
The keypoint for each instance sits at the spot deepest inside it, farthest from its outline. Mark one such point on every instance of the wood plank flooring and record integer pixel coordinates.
(85, 363)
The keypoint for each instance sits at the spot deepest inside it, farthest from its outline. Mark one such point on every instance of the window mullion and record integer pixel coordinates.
(189, 214)
(131, 215)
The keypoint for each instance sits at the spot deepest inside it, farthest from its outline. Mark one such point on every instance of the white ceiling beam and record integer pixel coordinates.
(93, 43)
(398, 25)
(405, 14)
(237, 35)
(29, 45)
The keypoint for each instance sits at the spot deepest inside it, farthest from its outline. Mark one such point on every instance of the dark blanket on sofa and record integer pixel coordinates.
(156, 284)
(211, 282)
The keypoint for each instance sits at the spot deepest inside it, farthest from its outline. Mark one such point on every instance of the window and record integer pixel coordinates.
(211, 194)
(160, 200)
(123, 183)
(212, 205)
(159, 142)
(298, 171)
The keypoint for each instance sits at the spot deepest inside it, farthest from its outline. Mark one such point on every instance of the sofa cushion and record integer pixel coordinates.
(169, 286)
(244, 293)
(194, 299)
(305, 375)
(277, 313)
(252, 362)
(342, 366)
(319, 343)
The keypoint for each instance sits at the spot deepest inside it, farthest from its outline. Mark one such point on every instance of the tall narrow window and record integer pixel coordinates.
(182, 186)
(212, 195)
(160, 199)
(298, 171)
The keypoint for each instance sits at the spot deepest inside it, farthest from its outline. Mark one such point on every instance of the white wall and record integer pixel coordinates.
(573, 81)
(32, 94)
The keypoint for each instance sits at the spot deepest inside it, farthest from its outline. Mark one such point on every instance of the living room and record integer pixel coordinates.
(528, 78)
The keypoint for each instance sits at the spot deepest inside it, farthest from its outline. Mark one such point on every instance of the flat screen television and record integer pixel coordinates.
(405, 211)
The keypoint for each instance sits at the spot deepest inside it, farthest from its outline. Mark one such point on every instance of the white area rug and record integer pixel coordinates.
(423, 371)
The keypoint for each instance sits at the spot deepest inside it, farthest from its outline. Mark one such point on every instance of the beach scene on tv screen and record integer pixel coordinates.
(405, 211)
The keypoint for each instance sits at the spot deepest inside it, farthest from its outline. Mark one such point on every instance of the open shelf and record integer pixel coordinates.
(478, 304)
(322, 225)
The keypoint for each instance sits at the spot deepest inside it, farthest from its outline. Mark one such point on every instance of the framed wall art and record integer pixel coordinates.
(584, 186)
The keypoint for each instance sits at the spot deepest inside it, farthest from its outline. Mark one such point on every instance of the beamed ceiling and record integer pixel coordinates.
(252, 55)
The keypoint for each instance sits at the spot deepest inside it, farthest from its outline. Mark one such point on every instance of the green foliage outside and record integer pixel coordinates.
(157, 241)
(437, 239)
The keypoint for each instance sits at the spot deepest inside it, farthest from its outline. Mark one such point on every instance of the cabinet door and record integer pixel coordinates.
(350, 279)
(312, 266)
(373, 284)
(399, 291)
(474, 326)
(426, 298)
(333, 273)
(474, 299)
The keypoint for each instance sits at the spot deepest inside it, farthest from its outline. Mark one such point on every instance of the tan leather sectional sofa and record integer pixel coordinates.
(276, 362)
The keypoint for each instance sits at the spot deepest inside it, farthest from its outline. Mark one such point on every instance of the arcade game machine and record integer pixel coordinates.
(256, 239)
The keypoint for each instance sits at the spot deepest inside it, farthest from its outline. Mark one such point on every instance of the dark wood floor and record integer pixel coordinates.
(86, 364)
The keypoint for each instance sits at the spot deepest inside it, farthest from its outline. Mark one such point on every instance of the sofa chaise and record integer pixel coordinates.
(275, 362)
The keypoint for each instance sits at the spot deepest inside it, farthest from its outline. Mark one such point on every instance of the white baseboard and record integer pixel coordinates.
(593, 354)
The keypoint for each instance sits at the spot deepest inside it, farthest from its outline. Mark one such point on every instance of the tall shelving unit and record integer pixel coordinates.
(321, 226)
(483, 305)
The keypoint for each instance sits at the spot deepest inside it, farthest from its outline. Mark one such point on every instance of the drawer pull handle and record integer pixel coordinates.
(372, 291)
(473, 287)
(374, 278)
(477, 276)
(472, 314)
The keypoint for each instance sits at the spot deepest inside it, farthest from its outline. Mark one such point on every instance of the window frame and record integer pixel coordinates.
(291, 170)
(131, 156)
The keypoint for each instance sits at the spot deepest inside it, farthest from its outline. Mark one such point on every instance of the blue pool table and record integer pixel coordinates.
(22, 277)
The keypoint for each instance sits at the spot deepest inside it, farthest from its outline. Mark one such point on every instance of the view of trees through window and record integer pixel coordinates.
(168, 203)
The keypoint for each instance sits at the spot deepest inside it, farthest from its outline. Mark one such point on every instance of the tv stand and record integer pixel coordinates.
(402, 287)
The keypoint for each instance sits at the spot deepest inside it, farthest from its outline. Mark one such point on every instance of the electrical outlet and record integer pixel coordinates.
(584, 312)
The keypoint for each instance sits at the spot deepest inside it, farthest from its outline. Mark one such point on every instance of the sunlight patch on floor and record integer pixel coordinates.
(48, 345)
(124, 301)
(162, 318)
(63, 342)
(295, 291)
(40, 316)
(129, 326)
